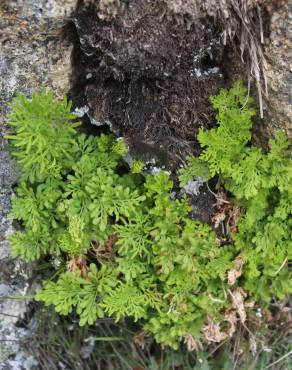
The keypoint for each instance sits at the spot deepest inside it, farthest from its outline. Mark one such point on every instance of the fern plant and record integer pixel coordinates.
(260, 183)
(127, 248)
(43, 136)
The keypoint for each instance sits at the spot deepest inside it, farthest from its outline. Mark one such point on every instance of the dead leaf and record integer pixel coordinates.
(219, 218)
(221, 198)
(236, 271)
(139, 339)
(234, 218)
(230, 317)
(192, 343)
(105, 251)
(227, 214)
(249, 304)
(78, 263)
(238, 296)
(212, 331)
(110, 242)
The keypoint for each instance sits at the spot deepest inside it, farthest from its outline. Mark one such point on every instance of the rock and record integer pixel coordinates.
(279, 71)
(34, 53)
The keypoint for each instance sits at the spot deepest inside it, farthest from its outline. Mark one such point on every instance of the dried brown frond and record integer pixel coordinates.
(139, 339)
(236, 271)
(230, 317)
(212, 332)
(192, 343)
(78, 263)
(238, 296)
(105, 251)
(227, 213)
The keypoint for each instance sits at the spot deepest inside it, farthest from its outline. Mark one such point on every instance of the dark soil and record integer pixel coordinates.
(148, 74)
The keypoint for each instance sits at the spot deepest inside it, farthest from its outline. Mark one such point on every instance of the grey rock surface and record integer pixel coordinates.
(279, 70)
(33, 53)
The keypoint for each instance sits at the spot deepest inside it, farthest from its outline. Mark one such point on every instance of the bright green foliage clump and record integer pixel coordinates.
(163, 268)
(42, 149)
(260, 182)
(125, 246)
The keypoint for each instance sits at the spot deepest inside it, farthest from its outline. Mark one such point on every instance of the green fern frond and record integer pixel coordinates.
(142, 255)
(44, 132)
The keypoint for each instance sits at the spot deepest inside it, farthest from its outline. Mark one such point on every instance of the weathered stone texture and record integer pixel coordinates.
(279, 56)
(33, 53)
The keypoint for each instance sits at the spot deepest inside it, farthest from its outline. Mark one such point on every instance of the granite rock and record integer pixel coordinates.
(34, 52)
(279, 70)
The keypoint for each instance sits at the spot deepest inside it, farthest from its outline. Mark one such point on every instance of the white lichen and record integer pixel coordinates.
(81, 111)
(193, 186)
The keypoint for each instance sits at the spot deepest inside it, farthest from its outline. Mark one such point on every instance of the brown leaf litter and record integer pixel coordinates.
(234, 273)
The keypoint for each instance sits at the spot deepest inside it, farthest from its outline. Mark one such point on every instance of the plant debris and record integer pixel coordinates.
(234, 273)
